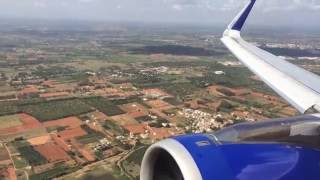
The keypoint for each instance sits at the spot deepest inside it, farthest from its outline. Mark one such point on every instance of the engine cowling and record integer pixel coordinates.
(286, 149)
(169, 160)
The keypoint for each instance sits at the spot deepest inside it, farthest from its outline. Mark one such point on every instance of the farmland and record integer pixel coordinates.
(113, 127)
(32, 156)
(8, 108)
(10, 121)
(85, 102)
(103, 105)
(46, 110)
(3, 153)
(55, 172)
(52, 152)
(52, 110)
(92, 135)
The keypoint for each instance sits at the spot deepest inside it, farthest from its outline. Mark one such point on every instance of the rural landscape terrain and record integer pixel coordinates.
(83, 100)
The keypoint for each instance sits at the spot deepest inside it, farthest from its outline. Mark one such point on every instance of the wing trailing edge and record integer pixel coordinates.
(299, 87)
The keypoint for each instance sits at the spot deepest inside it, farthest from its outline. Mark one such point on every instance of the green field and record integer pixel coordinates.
(10, 121)
(137, 156)
(108, 171)
(57, 171)
(133, 162)
(103, 173)
(113, 127)
(32, 156)
(91, 137)
(103, 105)
(4, 154)
(19, 162)
(52, 110)
(130, 100)
(173, 101)
(8, 107)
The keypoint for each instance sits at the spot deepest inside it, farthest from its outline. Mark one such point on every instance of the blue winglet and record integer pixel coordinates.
(239, 21)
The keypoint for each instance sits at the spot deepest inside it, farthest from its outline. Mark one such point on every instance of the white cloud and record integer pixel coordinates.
(177, 7)
(158, 10)
(40, 4)
(86, 1)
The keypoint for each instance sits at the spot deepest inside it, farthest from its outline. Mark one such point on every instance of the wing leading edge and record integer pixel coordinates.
(299, 87)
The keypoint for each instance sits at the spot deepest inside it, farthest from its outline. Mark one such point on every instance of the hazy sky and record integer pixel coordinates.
(289, 12)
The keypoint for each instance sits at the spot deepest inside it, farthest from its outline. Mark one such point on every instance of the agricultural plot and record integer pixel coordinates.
(19, 162)
(130, 100)
(52, 173)
(124, 119)
(4, 154)
(108, 171)
(103, 105)
(133, 162)
(71, 122)
(32, 156)
(143, 119)
(52, 152)
(173, 101)
(10, 121)
(113, 127)
(52, 110)
(137, 156)
(8, 108)
(91, 137)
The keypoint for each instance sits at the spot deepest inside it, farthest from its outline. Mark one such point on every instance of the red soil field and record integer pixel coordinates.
(56, 94)
(86, 153)
(29, 123)
(159, 104)
(59, 141)
(71, 122)
(160, 133)
(72, 133)
(52, 152)
(136, 128)
(8, 173)
(155, 92)
(134, 109)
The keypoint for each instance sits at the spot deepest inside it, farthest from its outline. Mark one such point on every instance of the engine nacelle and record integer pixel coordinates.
(169, 160)
(286, 149)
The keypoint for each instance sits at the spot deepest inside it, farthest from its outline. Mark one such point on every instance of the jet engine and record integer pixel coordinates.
(277, 149)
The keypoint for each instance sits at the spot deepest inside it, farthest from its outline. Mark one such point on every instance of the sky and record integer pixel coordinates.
(267, 12)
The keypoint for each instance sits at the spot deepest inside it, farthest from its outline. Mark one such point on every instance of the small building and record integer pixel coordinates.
(219, 73)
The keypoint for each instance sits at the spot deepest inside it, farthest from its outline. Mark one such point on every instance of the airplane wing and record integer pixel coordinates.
(298, 86)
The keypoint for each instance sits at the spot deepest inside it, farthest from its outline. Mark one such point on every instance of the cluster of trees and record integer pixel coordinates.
(33, 157)
(103, 105)
(114, 128)
(176, 50)
(91, 137)
(293, 52)
(51, 110)
(53, 71)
